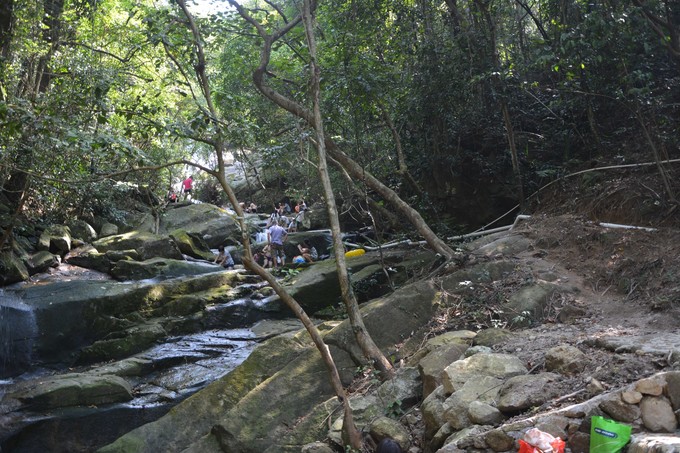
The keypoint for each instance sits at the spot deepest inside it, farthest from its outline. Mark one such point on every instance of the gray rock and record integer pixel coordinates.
(554, 425)
(192, 244)
(126, 270)
(56, 239)
(82, 230)
(499, 440)
(12, 269)
(492, 336)
(468, 438)
(653, 385)
(433, 363)
(496, 365)
(525, 391)
(481, 413)
(89, 257)
(41, 261)
(214, 225)
(619, 410)
(507, 245)
(657, 415)
(108, 229)
(317, 447)
(432, 409)
(74, 390)
(404, 390)
(529, 302)
(565, 359)
(481, 388)
(657, 443)
(385, 427)
(673, 388)
(136, 339)
(477, 350)
(146, 244)
(440, 437)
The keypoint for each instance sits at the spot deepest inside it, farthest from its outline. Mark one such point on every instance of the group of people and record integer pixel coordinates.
(289, 218)
(273, 253)
(186, 188)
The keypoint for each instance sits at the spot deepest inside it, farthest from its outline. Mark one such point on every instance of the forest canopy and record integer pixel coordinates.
(463, 107)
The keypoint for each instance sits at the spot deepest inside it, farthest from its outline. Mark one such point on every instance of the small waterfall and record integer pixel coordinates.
(17, 331)
(260, 236)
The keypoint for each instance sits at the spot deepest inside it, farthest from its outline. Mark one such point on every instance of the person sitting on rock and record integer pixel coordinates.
(224, 258)
(308, 252)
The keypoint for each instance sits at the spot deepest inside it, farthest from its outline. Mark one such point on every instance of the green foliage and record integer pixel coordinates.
(119, 92)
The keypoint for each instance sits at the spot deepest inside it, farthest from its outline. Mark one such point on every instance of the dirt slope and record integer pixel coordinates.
(627, 284)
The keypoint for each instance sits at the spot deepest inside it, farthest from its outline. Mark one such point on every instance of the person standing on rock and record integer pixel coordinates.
(187, 186)
(276, 236)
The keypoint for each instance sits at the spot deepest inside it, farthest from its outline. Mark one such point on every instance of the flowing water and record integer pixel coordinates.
(17, 333)
(178, 367)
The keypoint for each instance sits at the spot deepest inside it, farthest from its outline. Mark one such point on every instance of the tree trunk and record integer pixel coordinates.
(363, 338)
(350, 432)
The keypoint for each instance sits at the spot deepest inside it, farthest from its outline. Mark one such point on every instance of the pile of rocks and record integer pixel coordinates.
(479, 400)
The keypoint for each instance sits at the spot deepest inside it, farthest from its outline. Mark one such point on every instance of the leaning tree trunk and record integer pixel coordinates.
(219, 174)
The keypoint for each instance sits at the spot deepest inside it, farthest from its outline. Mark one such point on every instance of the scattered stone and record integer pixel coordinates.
(525, 391)
(657, 415)
(620, 411)
(477, 350)
(657, 443)
(502, 366)
(631, 396)
(481, 389)
(74, 390)
(385, 427)
(481, 413)
(492, 336)
(565, 359)
(651, 386)
(499, 440)
(317, 447)
(595, 387)
(431, 365)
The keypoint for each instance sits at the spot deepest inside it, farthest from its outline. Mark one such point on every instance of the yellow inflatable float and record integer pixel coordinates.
(357, 252)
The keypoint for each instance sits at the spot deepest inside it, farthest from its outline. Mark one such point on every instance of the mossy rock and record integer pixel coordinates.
(134, 340)
(192, 244)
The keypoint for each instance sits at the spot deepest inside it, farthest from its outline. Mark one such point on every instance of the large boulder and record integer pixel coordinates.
(82, 230)
(160, 268)
(12, 269)
(89, 257)
(56, 238)
(214, 225)
(316, 287)
(74, 390)
(68, 315)
(148, 245)
(193, 245)
(41, 261)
